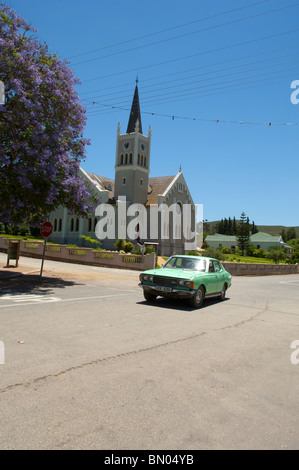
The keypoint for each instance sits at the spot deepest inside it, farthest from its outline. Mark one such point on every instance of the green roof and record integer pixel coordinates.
(219, 237)
(265, 237)
(256, 237)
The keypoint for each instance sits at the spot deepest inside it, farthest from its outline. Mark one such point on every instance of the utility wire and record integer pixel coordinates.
(186, 34)
(217, 121)
(192, 69)
(168, 29)
(144, 92)
(220, 49)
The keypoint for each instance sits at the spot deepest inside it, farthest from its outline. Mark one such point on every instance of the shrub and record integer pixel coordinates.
(260, 253)
(214, 253)
(128, 247)
(119, 244)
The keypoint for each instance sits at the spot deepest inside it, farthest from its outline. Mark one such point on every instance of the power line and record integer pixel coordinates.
(217, 121)
(196, 81)
(197, 75)
(187, 34)
(168, 29)
(220, 49)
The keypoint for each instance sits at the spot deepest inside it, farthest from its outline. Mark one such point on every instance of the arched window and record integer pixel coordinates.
(131, 157)
(141, 160)
(77, 224)
(55, 225)
(126, 159)
(144, 161)
(60, 225)
(138, 159)
(89, 224)
(121, 159)
(72, 225)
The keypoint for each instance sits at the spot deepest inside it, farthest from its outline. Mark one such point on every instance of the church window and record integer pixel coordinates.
(89, 224)
(55, 225)
(77, 224)
(141, 160)
(121, 159)
(138, 159)
(94, 224)
(72, 225)
(60, 225)
(144, 161)
(131, 157)
(126, 159)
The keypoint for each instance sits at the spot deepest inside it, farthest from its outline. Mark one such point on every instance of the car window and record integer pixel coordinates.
(217, 266)
(211, 267)
(186, 263)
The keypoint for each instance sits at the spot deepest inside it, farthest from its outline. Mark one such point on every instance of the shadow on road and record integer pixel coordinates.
(32, 283)
(180, 304)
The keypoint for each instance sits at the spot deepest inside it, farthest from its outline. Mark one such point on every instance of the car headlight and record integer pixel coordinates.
(146, 277)
(185, 283)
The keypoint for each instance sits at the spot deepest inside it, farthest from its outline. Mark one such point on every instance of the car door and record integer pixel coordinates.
(212, 279)
(219, 275)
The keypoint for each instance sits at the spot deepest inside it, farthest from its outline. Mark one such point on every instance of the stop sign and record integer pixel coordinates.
(46, 229)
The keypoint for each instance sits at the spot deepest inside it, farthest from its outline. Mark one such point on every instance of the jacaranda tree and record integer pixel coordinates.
(41, 128)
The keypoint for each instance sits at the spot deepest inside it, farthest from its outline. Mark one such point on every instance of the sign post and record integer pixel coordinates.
(45, 230)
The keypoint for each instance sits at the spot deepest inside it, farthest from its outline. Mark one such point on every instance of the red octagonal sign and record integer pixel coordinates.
(46, 229)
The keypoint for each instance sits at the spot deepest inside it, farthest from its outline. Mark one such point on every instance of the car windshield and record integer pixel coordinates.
(186, 263)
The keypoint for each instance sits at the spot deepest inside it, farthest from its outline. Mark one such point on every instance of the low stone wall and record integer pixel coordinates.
(259, 269)
(111, 259)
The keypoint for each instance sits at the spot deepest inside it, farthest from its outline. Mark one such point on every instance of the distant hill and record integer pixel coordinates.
(275, 229)
(272, 229)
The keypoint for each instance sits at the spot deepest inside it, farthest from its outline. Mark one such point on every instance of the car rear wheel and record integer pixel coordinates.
(149, 297)
(197, 300)
(223, 292)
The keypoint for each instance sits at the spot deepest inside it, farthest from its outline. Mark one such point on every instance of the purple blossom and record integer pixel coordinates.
(41, 128)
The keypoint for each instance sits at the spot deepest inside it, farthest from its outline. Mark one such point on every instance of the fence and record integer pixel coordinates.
(111, 259)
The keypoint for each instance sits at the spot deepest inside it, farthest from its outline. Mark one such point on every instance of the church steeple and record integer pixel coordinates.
(132, 160)
(135, 113)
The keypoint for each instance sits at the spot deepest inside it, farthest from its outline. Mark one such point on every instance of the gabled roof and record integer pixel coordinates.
(218, 237)
(105, 183)
(158, 186)
(134, 114)
(265, 237)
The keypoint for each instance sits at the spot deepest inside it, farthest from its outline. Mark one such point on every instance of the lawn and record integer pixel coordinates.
(250, 259)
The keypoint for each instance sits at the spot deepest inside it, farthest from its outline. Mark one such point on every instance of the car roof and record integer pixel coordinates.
(193, 257)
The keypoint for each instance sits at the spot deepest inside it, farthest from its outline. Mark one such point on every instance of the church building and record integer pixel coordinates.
(168, 212)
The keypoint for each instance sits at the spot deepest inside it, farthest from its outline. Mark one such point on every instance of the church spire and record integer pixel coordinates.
(135, 112)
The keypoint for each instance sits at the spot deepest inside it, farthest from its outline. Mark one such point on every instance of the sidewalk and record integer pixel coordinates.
(30, 268)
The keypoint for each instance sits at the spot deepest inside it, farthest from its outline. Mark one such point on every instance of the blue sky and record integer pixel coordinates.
(199, 62)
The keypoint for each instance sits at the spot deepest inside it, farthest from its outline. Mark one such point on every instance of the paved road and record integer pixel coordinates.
(90, 365)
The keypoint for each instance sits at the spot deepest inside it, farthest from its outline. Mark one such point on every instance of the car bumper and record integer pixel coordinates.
(168, 291)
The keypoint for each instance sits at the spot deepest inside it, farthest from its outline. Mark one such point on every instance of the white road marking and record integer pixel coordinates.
(33, 299)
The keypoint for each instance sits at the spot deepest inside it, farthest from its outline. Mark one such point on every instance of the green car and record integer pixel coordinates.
(190, 277)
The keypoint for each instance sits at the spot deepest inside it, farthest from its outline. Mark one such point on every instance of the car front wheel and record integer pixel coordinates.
(197, 300)
(149, 297)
